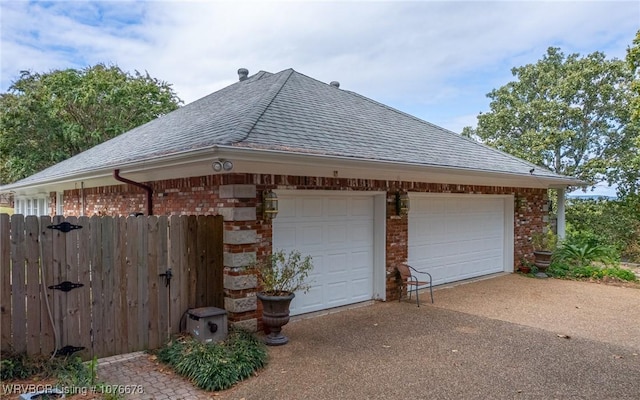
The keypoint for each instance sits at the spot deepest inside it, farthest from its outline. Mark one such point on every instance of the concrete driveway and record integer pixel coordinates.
(509, 337)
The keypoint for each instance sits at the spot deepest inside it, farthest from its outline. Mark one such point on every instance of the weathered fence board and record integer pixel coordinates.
(18, 305)
(71, 321)
(59, 303)
(84, 277)
(143, 281)
(132, 283)
(126, 302)
(33, 284)
(97, 245)
(117, 313)
(5, 283)
(47, 334)
(152, 282)
(163, 264)
(178, 251)
(216, 264)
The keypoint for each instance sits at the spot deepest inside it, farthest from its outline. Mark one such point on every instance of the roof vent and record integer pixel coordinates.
(242, 74)
(335, 84)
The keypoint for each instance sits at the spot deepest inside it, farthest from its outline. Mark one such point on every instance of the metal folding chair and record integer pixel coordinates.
(409, 278)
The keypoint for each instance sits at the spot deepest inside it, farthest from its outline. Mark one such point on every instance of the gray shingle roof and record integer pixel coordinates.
(292, 112)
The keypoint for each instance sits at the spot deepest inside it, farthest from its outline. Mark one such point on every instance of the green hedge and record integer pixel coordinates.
(215, 366)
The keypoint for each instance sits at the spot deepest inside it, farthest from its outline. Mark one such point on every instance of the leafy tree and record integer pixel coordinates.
(627, 172)
(47, 118)
(633, 59)
(566, 113)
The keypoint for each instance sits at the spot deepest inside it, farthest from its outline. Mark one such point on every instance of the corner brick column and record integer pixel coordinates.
(240, 244)
(396, 244)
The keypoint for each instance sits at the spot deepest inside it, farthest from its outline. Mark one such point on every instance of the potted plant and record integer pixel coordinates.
(544, 243)
(280, 276)
(525, 266)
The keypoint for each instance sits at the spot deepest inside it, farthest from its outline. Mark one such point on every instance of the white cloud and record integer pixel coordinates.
(423, 57)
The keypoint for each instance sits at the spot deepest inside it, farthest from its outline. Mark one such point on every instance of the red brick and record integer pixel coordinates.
(199, 195)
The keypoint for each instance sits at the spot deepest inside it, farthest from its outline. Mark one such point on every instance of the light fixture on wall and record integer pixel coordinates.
(270, 205)
(222, 165)
(402, 203)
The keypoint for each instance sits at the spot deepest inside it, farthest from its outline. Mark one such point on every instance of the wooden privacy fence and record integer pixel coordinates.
(113, 286)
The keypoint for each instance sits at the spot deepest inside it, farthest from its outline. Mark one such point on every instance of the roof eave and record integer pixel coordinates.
(249, 160)
(350, 167)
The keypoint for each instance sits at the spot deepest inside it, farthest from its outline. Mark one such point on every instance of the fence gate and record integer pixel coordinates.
(100, 286)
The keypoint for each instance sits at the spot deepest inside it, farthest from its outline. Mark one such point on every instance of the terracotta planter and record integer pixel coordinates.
(525, 269)
(275, 314)
(542, 259)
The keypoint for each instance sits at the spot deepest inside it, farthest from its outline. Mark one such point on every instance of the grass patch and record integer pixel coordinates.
(215, 366)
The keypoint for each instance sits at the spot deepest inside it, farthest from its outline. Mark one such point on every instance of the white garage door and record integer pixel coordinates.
(337, 231)
(456, 238)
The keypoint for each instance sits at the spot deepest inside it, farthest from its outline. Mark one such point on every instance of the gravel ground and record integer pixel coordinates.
(509, 337)
(602, 312)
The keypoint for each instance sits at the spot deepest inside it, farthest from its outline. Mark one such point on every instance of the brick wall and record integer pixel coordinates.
(202, 195)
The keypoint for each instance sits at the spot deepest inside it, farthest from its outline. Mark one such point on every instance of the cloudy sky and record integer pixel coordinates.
(435, 60)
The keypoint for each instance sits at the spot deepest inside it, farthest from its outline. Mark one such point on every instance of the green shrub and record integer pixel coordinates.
(584, 254)
(560, 270)
(544, 241)
(613, 223)
(216, 366)
(588, 271)
(68, 371)
(620, 273)
(74, 373)
(16, 366)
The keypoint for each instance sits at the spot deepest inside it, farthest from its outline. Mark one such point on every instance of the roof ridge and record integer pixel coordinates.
(259, 75)
(245, 127)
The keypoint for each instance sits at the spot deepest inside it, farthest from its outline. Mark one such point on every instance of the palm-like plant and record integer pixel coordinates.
(583, 254)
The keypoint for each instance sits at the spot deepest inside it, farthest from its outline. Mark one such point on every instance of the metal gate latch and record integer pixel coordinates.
(167, 277)
(66, 286)
(65, 227)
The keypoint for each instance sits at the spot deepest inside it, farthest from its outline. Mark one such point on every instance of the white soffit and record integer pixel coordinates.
(253, 161)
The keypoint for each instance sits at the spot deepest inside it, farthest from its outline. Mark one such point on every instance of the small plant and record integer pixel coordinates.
(282, 274)
(558, 270)
(620, 273)
(16, 366)
(527, 267)
(73, 373)
(68, 372)
(215, 366)
(594, 272)
(544, 241)
(584, 254)
(587, 260)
